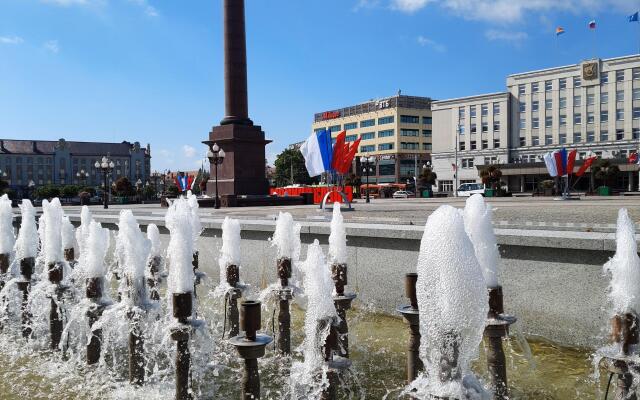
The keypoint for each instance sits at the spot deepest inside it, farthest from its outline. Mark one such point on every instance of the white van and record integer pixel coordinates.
(468, 189)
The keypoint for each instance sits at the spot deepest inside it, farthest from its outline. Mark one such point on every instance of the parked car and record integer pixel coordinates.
(468, 189)
(402, 194)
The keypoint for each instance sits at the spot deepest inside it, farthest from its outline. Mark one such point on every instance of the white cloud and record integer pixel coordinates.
(424, 41)
(188, 151)
(149, 10)
(52, 46)
(11, 40)
(67, 3)
(507, 36)
(366, 4)
(409, 6)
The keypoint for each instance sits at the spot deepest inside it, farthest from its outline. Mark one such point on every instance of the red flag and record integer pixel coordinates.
(338, 149)
(633, 158)
(558, 158)
(585, 166)
(571, 161)
(350, 154)
(454, 167)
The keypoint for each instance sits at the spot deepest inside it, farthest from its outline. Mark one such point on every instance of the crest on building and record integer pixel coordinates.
(590, 71)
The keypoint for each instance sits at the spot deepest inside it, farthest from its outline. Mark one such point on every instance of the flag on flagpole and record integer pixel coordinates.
(317, 152)
(559, 31)
(592, 24)
(635, 17)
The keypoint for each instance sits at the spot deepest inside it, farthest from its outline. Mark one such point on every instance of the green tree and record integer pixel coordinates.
(123, 186)
(427, 178)
(148, 192)
(291, 160)
(490, 176)
(605, 171)
(47, 192)
(69, 191)
(173, 191)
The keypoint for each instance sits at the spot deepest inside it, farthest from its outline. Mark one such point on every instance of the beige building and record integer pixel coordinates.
(590, 106)
(395, 130)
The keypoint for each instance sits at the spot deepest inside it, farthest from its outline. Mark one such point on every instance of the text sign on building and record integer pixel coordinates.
(382, 104)
(330, 115)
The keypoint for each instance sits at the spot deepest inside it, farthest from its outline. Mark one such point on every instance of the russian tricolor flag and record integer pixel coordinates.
(317, 151)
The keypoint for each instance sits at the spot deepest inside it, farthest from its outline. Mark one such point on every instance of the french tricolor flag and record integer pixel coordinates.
(317, 152)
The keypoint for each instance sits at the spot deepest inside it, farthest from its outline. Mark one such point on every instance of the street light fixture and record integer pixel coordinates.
(138, 187)
(368, 166)
(216, 157)
(31, 186)
(106, 166)
(82, 176)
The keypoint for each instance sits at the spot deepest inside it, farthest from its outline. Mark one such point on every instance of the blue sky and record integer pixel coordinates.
(151, 70)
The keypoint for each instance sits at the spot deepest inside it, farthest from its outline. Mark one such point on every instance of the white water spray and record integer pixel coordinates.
(68, 234)
(97, 244)
(7, 234)
(478, 225)
(284, 236)
(229, 252)
(27, 242)
(338, 237)
(52, 215)
(179, 220)
(133, 251)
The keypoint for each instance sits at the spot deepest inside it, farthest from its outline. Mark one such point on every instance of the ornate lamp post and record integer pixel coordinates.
(368, 165)
(31, 187)
(216, 157)
(106, 166)
(138, 188)
(82, 176)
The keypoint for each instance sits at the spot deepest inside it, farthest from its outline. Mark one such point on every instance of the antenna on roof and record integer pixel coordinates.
(399, 92)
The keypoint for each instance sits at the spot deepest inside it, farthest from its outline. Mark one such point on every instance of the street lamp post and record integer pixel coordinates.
(82, 176)
(106, 166)
(368, 164)
(138, 187)
(31, 186)
(216, 157)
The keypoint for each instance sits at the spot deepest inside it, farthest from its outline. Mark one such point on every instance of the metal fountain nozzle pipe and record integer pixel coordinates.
(4, 263)
(27, 267)
(233, 275)
(182, 306)
(94, 288)
(284, 271)
(94, 292)
(69, 254)
(496, 301)
(412, 316)
(625, 330)
(339, 276)
(410, 281)
(55, 272)
(496, 328)
(250, 318)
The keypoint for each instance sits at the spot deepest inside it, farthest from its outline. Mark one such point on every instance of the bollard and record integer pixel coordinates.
(411, 315)
(497, 328)
(251, 346)
(182, 310)
(55, 272)
(285, 294)
(342, 302)
(27, 268)
(233, 278)
(94, 291)
(136, 349)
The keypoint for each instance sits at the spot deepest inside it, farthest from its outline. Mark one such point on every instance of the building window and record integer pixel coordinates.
(385, 146)
(472, 111)
(577, 118)
(534, 87)
(334, 128)
(523, 123)
(461, 145)
(496, 125)
(563, 102)
(427, 133)
(619, 114)
(473, 145)
(620, 76)
(562, 138)
(577, 101)
(445, 186)
(368, 136)
(367, 122)
(604, 116)
(427, 120)
(409, 119)
(473, 128)
(427, 146)
(548, 139)
(387, 168)
(461, 113)
(485, 126)
(591, 99)
(591, 118)
(351, 138)
(485, 144)
(535, 141)
(496, 143)
(619, 134)
(591, 137)
(548, 104)
(636, 112)
(386, 133)
(523, 141)
(461, 129)
(635, 133)
(548, 122)
(604, 97)
(636, 74)
(620, 95)
(548, 86)
(523, 106)
(563, 120)
(604, 136)
(534, 106)
(535, 124)
(467, 163)
(577, 82)
(406, 146)
(385, 120)
(350, 125)
(562, 83)
(496, 108)
(484, 109)
(604, 77)
(636, 94)
(409, 132)
(520, 89)
(577, 137)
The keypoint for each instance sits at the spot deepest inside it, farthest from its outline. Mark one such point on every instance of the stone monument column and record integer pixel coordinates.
(243, 169)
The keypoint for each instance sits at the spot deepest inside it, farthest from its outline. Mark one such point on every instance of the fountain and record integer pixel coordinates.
(95, 246)
(316, 376)
(197, 230)
(479, 227)
(229, 263)
(338, 262)
(452, 304)
(26, 251)
(133, 252)
(7, 239)
(411, 314)
(622, 357)
(155, 261)
(68, 241)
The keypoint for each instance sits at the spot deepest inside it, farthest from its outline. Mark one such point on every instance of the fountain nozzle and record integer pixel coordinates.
(182, 306)
(339, 275)
(55, 272)
(284, 271)
(410, 281)
(233, 275)
(27, 267)
(94, 288)
(496, 304)
(250, 316)
(624, 330)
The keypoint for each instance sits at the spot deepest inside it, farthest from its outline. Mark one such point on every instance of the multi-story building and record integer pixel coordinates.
(26, 164)
(395, 130)
(590, 106)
